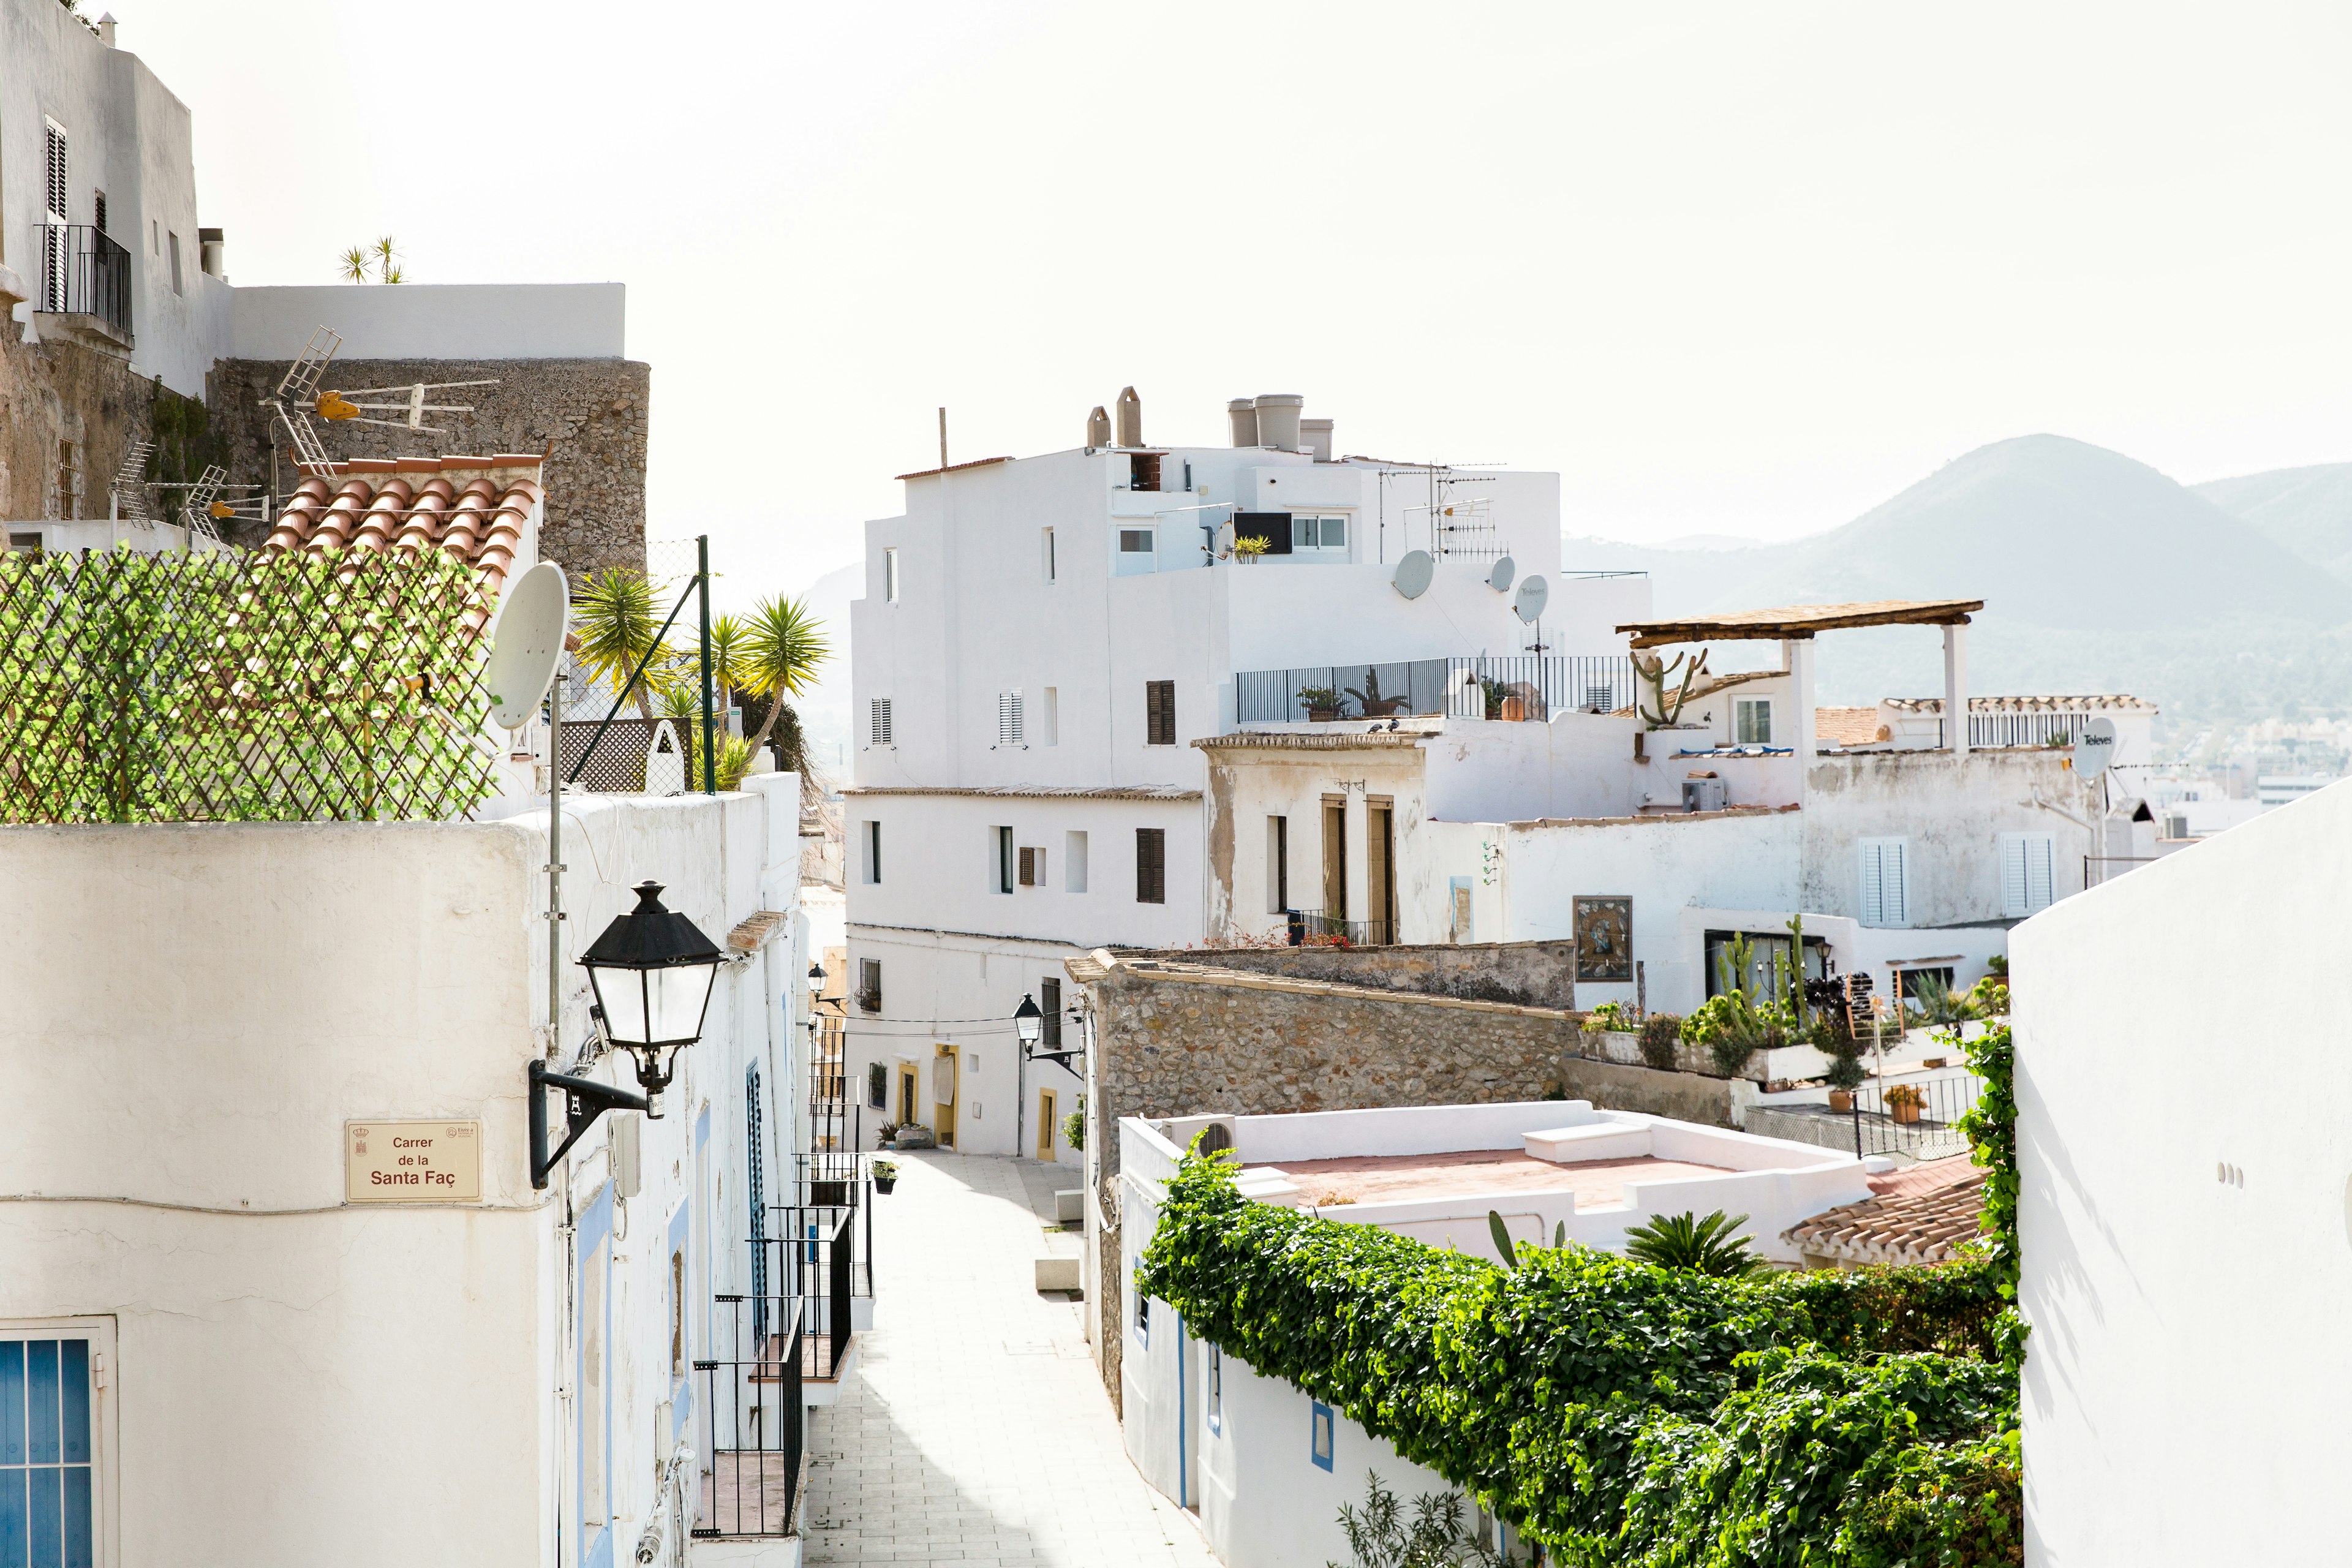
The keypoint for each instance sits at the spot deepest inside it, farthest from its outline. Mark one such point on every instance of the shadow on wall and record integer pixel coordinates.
(1521, 973)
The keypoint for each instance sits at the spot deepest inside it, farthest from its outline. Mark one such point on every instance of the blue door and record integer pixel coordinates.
(44, 1454)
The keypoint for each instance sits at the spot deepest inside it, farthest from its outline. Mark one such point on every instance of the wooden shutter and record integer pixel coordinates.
(2028, 867)
(1151, 865)
(1049, 996)
(56, 173)
(1885, 900)
(1008, 719)
(1160, 712)
(880, 730)
(1028, 868)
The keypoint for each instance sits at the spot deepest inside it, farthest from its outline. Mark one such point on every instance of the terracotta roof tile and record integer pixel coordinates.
(1923, 1215)
(474, 509)
(1847, 726)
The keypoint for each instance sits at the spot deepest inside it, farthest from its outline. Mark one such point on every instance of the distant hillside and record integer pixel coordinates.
(2306, 510)
(824, 710)
(2097, 572)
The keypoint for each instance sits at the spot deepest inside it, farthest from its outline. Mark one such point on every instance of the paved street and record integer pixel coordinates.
(976, 1429)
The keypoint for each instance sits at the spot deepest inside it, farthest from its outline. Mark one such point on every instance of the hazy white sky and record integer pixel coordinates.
(1729, 268)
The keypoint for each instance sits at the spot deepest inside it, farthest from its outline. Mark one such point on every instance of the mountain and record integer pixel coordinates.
(824, 707)
(2308, 511)
(2097, 572)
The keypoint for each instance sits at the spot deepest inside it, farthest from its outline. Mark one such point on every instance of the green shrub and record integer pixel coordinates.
(1659, 1032)
(1609, 1016)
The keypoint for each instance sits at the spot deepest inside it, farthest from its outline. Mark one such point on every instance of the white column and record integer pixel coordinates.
(1800, 729)
(1956, 688)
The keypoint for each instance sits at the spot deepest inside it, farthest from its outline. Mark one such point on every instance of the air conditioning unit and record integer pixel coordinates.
(1703, 795)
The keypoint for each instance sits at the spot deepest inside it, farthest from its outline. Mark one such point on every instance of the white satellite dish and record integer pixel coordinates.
(1413, 573)
(1499, 579)
(529, 640)
(2094, 748)
(1533, 594)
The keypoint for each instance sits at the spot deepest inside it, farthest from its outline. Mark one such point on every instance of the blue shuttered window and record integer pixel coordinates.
(46, 1508)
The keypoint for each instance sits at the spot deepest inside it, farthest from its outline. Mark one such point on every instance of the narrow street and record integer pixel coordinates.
(975, 1428)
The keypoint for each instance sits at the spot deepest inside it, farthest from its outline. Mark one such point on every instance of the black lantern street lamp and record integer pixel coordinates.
(816, 982)
(1028, 1024)
(652, 972)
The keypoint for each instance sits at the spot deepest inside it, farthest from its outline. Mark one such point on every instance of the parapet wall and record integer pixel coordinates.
(1523, 974)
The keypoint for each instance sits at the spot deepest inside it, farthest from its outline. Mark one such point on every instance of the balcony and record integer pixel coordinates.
(86, 284)
(1523, 686)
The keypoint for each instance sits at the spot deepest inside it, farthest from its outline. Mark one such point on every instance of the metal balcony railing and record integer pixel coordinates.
(84, 273)
(1524, 685)
(1313, 928)
(755, 1420)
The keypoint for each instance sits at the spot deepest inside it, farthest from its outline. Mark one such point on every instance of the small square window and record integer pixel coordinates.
(1135, 542)
(1320, 1437)
(1752, 720)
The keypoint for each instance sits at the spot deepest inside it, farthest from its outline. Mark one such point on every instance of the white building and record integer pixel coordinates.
(1040, 641)
(2184, 1231)
(1265, 1466)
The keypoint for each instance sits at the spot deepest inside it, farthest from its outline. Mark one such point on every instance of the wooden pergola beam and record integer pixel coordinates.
(1799, 622)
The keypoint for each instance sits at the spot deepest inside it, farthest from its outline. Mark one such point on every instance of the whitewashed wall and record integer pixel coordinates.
(2187, 1237)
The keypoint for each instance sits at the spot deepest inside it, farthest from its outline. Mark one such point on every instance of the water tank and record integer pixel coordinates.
(1130, 418)
(1243, 415)
(211, 252)
(1277, 420)
(1099, 427)
(1315, 435)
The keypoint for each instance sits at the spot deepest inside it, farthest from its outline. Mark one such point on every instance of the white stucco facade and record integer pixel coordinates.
(294, 1377)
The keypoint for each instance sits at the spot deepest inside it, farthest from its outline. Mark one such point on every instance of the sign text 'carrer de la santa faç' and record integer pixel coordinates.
(411, 1162)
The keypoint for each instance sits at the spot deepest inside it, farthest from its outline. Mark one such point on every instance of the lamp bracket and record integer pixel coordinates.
(1059, 1058)
(584, 1100)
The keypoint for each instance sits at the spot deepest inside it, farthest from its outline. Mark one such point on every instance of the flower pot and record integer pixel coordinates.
(1250, 559)
(1515, 709)
(1932, 1061)
(884, 1184)
(1842, 1100)
(1322, 715)
(1905, 1112)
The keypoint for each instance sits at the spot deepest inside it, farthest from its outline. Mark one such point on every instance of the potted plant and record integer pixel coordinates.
(1904, 1102)
(1323, 704)
(885, 1175)
(888, 1132)
(1248, 547)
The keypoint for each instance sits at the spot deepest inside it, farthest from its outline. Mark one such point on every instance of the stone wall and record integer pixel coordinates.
(1529, 974)
(594, 411)
(1685, 1096)
(1178, 1036)
(56, 391)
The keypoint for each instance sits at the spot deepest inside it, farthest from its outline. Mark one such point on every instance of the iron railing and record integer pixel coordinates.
(1313, 928)
(2025, 729)
(1526, 686)
(1920, 1119)
(84, 273)
(755, 1419)
(812, 1226)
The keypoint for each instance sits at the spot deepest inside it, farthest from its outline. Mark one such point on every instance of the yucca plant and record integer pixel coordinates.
(612, 614)
(1708, 1246)
(784, 645)
(1380, 1535)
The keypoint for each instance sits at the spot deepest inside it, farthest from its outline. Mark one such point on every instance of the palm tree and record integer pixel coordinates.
(613, 616)
(384, 270)
(782, 647)
(353, 265)
(729, 663)
(1705, 1246)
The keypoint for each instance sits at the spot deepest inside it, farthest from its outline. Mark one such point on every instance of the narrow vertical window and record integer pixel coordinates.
(879, 727)
(869, 985)
(97, 209)
(890, 576)
(1051, 572)
(873, 847)
(1049, 1002)
(1886, 891)
(1160, 712)
(174, 243)
(1151, 865)
(1049, 717)
(1074, 862)
(1008, 719)
(1002, 837)
(1216, 1381)
(1277, 864)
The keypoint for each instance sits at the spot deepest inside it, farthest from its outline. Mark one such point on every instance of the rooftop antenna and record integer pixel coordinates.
(128, 492)
(302, 394)
(297, 392)
(338, 406)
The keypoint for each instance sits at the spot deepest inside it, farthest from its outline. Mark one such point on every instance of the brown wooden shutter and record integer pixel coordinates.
(1160, 712)
(1151, 865)
(1028, 868)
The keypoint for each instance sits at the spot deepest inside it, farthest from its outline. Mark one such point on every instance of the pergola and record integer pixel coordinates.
(1795, 626)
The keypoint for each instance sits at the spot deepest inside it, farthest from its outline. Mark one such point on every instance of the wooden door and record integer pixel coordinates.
(1335, 861)
(1045, 1125)
(907, 1104)
(1380, 897)
(943, 1096)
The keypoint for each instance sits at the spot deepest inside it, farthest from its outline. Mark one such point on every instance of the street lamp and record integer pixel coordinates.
(1028, 1022)
(816, 984)
(652, 972)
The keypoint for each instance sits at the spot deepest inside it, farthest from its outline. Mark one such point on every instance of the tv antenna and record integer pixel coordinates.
(303, 393)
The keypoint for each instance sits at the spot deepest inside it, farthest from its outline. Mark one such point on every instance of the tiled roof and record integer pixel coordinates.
(472, 507)
(1847, 726)
(952, 469)
(2114, 702)
(1925, 1217)
(751, 934)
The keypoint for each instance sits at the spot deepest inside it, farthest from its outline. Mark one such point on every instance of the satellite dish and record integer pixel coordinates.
(1533, 593)
(1413, 573)
(2094, 748)
(1499, 579)
(529, 640)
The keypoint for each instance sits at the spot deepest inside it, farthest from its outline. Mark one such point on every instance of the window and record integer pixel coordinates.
(56, 173)
(1049, 717)
(1317, 533)
(1048, 548)
(50, 1411)
(1151, 865)
(869, 985)
(1002, 839)
(154, 237)
(98, 208)
(1143, 471)
(1074, 862)
(1008, 719)
(870, 849)
(1142, 1303)
(173, 243)
(878, 1086)
(1906, 981)
(1137, 551)
(1752, 720)
(1884, 895)
(878, 722)
(1216, 1381)
(890, 576)
(1049, 1002)
(1277, 864)
(1033, 868)
(2028, 864)
(1320, 1435)
(1158, 712)
(31, 541)
(67, 501)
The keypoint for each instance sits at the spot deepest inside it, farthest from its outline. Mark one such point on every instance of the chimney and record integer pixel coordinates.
(209, 252)
(106, 30)
(1099, 427)
(1130, 418)
(1315, 435)
(1277, 420)
(1243, 415)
